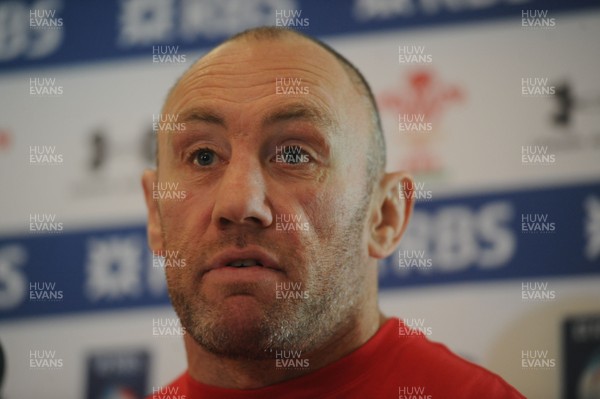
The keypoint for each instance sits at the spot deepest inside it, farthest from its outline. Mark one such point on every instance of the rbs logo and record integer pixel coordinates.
(458, 237)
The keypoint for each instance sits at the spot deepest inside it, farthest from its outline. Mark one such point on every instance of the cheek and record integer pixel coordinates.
(185, 217)
(326, 210)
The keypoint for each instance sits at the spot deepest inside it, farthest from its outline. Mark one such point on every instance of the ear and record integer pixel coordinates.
(155, 238)
(390, 213)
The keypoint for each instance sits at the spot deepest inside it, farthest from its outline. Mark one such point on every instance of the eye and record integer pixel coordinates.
(204, 157)
(291, 154)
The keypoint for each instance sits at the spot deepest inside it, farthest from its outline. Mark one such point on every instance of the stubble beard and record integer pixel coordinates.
(335, 292)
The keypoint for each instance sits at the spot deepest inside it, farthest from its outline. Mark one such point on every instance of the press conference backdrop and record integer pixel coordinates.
(494, 107)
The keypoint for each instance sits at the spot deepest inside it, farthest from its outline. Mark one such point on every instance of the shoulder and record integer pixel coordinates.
(421, 362)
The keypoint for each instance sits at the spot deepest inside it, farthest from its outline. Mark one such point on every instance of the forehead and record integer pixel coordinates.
(247, 70)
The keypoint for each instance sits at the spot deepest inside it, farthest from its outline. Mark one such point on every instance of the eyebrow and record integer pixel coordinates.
(299, 111)
(288, 112)
(204, 115)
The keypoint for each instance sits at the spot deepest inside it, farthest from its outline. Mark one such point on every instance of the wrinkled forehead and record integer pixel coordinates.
(247, 68)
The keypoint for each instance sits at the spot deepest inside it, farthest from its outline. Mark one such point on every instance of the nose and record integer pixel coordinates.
(241, 196)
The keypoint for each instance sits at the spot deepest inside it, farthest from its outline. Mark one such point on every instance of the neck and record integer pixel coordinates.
(211, 369)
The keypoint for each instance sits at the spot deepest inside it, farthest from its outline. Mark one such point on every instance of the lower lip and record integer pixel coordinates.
(242, 274)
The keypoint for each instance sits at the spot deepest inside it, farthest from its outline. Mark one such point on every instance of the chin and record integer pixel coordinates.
(241, 334)
(242, 311)
(238, 326)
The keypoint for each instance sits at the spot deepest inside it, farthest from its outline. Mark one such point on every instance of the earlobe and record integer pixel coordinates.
(154, 230)
(394, 207)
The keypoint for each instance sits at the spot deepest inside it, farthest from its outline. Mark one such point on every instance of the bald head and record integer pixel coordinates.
(376, 154)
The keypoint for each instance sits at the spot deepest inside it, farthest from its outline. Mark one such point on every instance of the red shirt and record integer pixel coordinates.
(396, 363)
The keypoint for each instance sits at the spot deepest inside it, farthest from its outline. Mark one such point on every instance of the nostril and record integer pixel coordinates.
(253, 219)
(224, 222)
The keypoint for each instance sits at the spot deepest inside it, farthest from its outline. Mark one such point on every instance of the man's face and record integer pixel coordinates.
(273, 226)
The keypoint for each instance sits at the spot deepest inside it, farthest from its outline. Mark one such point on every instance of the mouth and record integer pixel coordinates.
(248, 258)
(244, 263)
